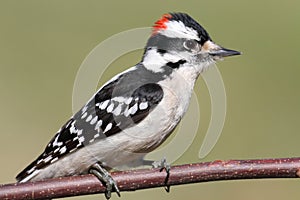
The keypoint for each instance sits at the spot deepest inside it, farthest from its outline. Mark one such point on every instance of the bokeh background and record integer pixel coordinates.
(43, 43)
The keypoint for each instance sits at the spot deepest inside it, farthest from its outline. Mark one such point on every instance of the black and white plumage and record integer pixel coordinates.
(136, 110)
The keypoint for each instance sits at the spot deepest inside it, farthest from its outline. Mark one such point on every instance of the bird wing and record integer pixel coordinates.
(112, 109)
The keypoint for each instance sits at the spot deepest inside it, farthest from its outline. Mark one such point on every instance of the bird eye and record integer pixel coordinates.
(191, 45)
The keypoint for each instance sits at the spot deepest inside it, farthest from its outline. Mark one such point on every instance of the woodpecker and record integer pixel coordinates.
(135, 111)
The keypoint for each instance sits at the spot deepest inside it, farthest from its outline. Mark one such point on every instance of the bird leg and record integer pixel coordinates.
(163, 165)
(104, 176)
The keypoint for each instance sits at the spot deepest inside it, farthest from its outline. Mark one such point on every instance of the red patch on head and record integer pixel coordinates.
(161, 23)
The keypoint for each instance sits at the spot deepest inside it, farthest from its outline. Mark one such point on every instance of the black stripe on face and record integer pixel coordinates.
(177, 64)
(161, 51)
(164, 43)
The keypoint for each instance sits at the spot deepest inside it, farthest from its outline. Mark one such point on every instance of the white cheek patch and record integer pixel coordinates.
(172, 57)
(177, 29)
(154, 61)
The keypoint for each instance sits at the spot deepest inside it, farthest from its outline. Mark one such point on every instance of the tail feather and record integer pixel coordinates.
(29, 172)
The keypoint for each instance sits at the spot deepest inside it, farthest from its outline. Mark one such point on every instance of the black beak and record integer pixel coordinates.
(222, 52)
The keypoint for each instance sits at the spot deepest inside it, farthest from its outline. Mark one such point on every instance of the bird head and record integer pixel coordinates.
(178, 40)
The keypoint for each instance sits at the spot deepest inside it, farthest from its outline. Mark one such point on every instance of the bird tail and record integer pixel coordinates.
(28, 173)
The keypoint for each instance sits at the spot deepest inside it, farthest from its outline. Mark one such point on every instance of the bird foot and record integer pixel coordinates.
(163, 165)
(104, 176)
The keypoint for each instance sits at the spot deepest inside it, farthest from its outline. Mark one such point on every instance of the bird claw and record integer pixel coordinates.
(163, 165)
(105, 177)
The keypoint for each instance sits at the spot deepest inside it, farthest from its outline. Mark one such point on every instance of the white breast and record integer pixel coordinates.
(132, 143)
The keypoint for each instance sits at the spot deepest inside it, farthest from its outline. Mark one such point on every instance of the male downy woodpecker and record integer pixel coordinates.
(134, 112)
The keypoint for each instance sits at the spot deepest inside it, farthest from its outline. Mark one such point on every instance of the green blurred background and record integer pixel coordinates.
(43, 43)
